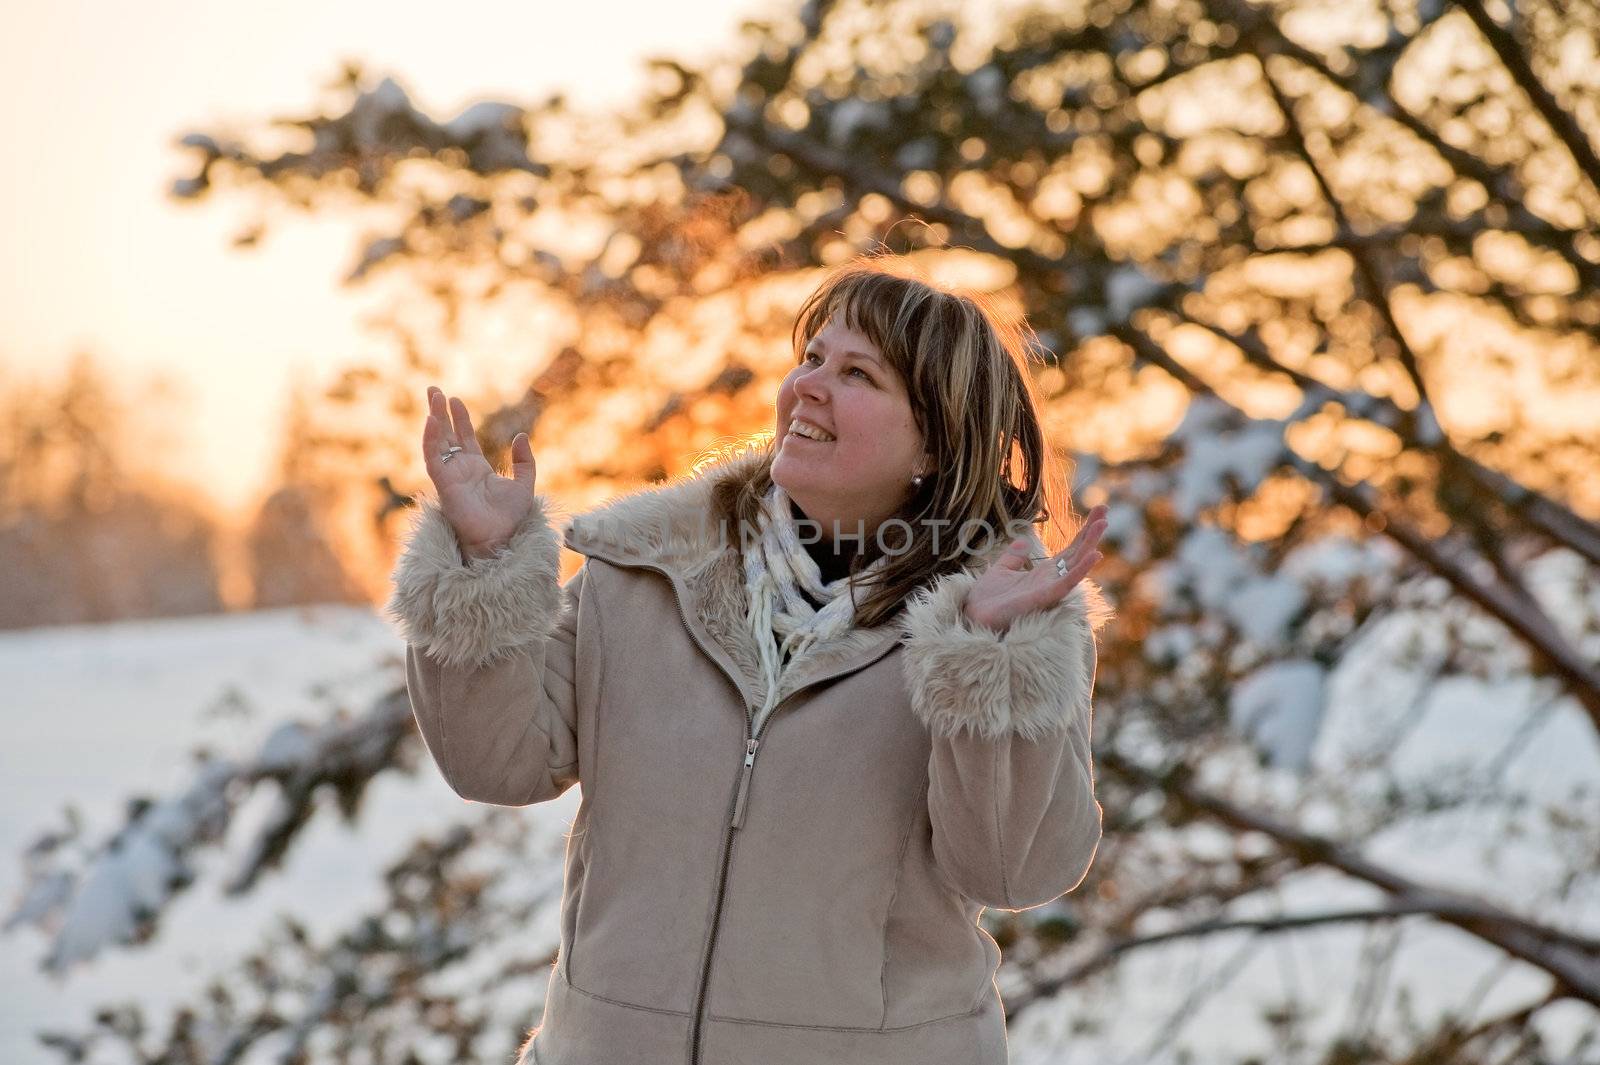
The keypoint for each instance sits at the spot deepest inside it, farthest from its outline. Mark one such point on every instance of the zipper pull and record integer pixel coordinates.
(744, 781)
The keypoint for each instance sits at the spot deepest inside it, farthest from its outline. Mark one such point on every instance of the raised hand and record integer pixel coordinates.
(1015, 584)
(483, 507)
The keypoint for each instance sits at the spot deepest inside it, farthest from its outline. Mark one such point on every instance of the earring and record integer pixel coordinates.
(916, 482)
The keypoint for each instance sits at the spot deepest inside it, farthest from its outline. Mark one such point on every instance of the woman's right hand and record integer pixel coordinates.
(483, 507)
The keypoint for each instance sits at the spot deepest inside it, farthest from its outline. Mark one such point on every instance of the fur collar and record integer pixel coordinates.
(671, 528)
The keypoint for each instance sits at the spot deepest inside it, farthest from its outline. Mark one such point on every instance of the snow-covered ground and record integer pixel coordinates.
(96, 714)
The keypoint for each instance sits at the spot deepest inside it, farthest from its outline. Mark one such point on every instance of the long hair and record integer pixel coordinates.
(965, 366)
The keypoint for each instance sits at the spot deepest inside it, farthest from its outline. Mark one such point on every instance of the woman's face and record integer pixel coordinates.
(844, 386)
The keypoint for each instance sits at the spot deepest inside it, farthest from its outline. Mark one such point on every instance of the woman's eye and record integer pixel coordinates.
(809, 355)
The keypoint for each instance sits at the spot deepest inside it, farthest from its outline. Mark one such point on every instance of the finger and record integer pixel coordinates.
(1045, 592)
(523, 468)
(1086, 540)
(1063, 584)
(1035, 593)
(1094, 523)
(437, 435)
(1015, 557)
(438, 409)
(435, 440)
(465, 435)
(1099, 522)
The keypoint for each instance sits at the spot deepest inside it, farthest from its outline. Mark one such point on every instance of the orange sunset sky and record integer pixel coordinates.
(98, 259)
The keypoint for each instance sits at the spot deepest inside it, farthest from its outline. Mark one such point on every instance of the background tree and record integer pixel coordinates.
(83, 537)
(298, 546)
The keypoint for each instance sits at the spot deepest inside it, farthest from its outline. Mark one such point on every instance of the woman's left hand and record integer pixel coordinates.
(1015, 584)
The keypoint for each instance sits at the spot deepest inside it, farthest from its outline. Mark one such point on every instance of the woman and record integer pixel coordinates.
(821, 720)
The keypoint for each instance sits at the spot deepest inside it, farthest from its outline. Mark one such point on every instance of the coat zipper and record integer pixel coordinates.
(744, 780)
(752, 742)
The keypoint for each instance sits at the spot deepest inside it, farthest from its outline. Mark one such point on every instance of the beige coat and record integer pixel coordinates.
(808, 895)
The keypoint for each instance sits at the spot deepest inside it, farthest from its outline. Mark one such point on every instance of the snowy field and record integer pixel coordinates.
(96, 714)
(100, 713)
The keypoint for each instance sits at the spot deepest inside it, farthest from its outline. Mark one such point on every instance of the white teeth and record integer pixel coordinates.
(809, 431)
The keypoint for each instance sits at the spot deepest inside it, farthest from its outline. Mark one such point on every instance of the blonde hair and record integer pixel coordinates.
(965, 366)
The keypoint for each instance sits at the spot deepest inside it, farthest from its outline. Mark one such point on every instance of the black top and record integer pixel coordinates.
(833, 562)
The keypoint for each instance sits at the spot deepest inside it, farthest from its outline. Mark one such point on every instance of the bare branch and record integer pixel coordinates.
(1561, 123)
(1572, 960)
(1579, 674)
(1452, 910)
(1550, 516)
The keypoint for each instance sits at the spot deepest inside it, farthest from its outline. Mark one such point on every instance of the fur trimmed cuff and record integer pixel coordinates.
(468, 611)
(1031, 681)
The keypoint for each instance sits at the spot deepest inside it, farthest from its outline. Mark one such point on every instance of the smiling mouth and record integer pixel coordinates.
(809, 432)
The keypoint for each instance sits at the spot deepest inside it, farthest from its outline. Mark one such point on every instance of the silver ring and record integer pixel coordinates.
(1061, 566)
(448, 455)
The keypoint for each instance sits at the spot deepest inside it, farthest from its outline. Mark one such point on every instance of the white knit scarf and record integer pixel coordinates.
(777, 569)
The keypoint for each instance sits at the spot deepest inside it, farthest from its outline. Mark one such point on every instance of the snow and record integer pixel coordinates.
(1086, 321)
(920, 154)
(1219, 575)
(1128, 288)
(853, 113)
(1279, 706)
(97, 714)
(941, 34)
(374, 109)
(986, 86)
(1429, 433)
(1216, 453)
(377, 250)
(1170, 644)
(204, 141)
(1337, 560)
(289, 744)
(102, 713)
(487, 116)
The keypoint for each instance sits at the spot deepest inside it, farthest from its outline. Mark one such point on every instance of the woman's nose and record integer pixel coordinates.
(810, 384)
